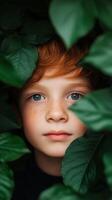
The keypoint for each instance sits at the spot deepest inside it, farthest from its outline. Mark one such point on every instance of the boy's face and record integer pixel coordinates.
(48, 123)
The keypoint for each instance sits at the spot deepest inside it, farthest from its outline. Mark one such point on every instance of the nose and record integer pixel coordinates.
(56, 113)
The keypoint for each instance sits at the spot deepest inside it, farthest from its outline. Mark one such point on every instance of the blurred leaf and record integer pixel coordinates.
(95, 109)
(17, 66)
(104, 10)
(59, 191)
(37, 31)
(6, 182)
(106, 155)
(79, 167)
(11, 43)
(63, 192)
(11, 147)
(72, 19)
(108, 167)
(100, 54)
(6, 72)
(7, 124)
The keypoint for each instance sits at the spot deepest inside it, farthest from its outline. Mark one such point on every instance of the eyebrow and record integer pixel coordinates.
(79, 84)
(84, 87)
(36, 86)
(32, 89)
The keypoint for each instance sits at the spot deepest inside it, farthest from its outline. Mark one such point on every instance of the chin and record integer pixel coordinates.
(56, 154)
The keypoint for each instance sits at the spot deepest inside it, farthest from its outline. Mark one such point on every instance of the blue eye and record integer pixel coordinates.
(75, 96)
(38, 97)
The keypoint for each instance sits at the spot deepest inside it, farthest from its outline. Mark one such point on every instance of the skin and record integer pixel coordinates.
(44, 108)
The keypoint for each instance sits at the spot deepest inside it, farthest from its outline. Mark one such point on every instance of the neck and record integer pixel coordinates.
(49, 165)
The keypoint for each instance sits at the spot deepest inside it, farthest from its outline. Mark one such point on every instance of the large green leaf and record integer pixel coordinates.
(79, 167)
(6, 182)
(62, 192)
(11, 147)
(11, 43)
(72, 19)
(95, 109)
(17, 64)
(100, 54)
(104, 10)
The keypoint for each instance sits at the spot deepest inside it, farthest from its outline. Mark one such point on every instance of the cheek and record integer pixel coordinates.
(32, 117)
(30, 113)
(29, 119)
(30, 126)
(79, 126)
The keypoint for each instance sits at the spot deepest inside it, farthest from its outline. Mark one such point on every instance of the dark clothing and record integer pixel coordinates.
(30, 182)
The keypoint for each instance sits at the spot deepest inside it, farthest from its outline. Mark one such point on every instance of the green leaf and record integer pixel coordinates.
(107, 159)
(12, 147)
(37, 31)
(100, 53)
(58, 191)
(63, 192)
(7, 124)
(106, 155)
(6, 72)
(79, 168)
(6, 182)
(17, 66)
(104, 11)
(11, 43)
(95, 110)
(72, 19)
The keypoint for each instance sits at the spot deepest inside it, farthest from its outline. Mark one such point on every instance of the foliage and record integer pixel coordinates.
(82, 173)
(11, 147)
(63, 192)
(19, 37)
(11, 62)
(23, 26)
(77, 17)
(96, 114)
(6, 182)
(100, 53)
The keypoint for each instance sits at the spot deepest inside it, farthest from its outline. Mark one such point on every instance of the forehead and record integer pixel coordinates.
(59, 82)
(63, 80)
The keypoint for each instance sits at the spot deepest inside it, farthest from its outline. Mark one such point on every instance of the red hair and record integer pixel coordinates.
(54, 55)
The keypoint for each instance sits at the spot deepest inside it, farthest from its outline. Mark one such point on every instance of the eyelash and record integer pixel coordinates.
(34, 95)
(76, 93)
(41, 95)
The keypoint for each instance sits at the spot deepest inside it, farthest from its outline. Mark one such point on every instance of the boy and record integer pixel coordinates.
(49, 126)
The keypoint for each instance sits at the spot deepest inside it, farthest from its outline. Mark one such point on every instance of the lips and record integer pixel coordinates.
(57, 135)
